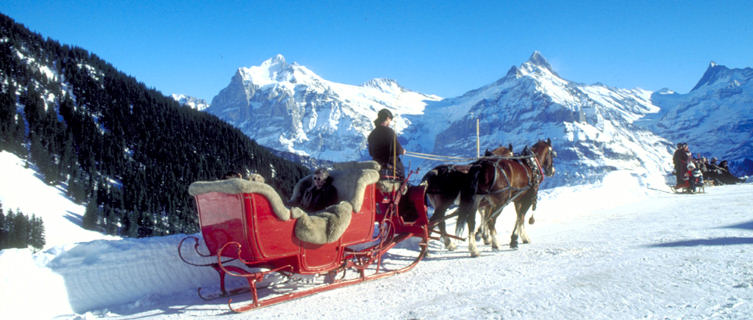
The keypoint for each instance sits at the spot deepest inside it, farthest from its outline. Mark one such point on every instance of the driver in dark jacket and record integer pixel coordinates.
(680, 160)
(384, 147)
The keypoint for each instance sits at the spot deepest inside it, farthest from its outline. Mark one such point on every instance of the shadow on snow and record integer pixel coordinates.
(724, 241)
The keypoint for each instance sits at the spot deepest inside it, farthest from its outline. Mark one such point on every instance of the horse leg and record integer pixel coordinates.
(443, 229)
(483, 230)
(493, 233)
(488, 231)
(514, 236)
(471, 237)
(467, 216)
(521, 211)
(518, 226)
(441, 204)
(448, 244)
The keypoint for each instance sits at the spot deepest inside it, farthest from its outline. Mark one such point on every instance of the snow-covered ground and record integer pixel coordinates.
(609, 251)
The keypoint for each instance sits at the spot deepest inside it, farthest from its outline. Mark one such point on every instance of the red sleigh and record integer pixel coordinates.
(252, 234)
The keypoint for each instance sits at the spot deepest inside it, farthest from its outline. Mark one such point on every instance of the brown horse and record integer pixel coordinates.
(501, 181)
(444, 185)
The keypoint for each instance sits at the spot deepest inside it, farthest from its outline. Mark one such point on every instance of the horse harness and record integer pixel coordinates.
(535, 177)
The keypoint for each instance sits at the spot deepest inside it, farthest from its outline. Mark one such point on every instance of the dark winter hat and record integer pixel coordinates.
(382, 115)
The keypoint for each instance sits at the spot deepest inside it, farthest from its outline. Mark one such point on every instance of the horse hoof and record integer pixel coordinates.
(475, 254)
(513, 245)
(451, 247)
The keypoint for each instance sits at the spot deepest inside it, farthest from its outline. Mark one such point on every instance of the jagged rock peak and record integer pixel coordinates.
(278, 59)
(382, 83)
(713, 73)
(275, 63)
(275, 69)
(539, 60)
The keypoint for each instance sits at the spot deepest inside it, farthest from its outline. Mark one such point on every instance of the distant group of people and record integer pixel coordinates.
(693, 171)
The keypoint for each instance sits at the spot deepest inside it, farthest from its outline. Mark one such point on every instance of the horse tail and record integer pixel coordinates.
(468, 206)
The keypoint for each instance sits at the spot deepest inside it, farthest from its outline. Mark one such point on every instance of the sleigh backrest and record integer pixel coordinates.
(241, 186)
(349, 178)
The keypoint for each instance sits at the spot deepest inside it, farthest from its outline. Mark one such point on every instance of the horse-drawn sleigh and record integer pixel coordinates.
(251, 232)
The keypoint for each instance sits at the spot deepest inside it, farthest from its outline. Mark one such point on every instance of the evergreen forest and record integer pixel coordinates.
(18, 230)
(125, 150)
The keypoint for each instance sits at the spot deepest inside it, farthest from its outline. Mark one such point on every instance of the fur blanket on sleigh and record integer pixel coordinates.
(325, 226)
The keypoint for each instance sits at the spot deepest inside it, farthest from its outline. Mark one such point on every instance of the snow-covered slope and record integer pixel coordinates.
(604, 251)
(715, 118)
(21, 188)
(592, 127)
(288, 107)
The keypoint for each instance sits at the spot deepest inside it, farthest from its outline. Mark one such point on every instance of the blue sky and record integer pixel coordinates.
(436, 47)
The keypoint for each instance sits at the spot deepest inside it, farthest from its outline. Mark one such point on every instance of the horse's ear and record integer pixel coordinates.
(487, 153)
(549, 141)
(509, 146)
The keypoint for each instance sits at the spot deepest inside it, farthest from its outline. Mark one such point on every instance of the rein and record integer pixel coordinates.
(435, 157)
(541, 169)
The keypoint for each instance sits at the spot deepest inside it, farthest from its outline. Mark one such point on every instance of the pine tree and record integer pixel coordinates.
(37, 235)
(133, 224)
(19, 234)
(3, 228)
(43, 159)
(7, 114)
(91, 215)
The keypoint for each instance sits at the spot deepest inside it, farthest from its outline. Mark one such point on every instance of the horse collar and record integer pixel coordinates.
(541, 169)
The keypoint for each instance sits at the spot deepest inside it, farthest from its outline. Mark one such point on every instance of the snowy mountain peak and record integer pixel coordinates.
(721, 76)
(275, 64)
(539, 60)
(383, 84)
(277, 70)
(288, 107)
(278, 59)
(712, 74)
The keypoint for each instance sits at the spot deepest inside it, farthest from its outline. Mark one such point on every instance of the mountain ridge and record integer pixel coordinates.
(587, 121)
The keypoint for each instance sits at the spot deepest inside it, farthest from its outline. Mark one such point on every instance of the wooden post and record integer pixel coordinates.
(478, 141)
(394, 156)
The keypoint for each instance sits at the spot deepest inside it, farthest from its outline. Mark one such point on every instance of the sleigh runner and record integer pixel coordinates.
(251, 232)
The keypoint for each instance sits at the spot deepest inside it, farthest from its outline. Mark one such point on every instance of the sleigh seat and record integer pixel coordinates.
(351, 180)
(227, 207)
